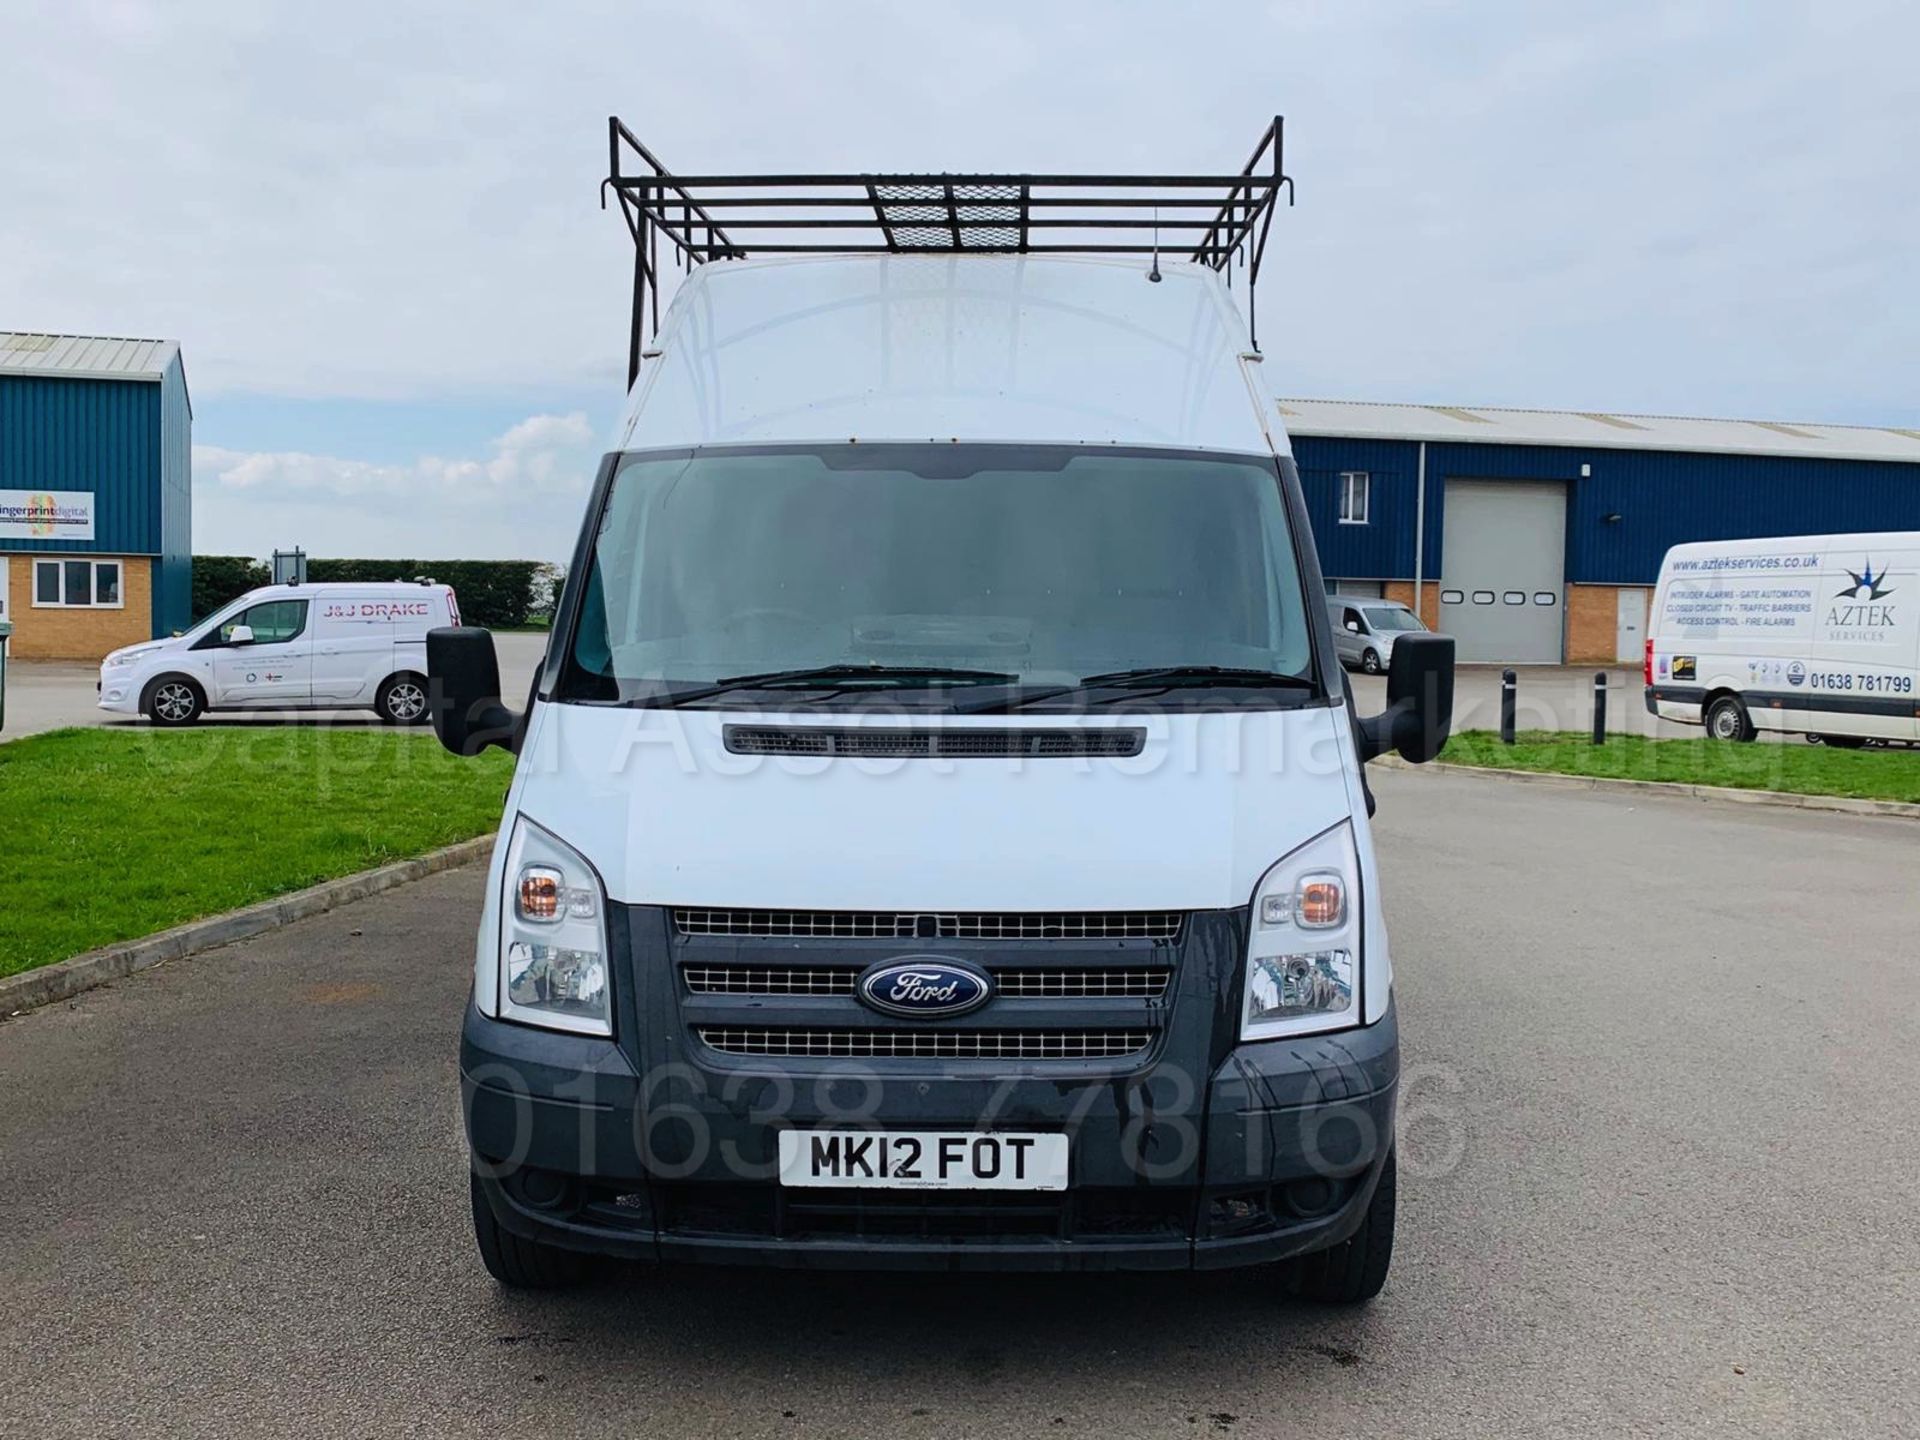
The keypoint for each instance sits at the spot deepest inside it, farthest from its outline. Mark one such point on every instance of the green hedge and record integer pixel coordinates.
(499, 594)
(220, 578)
(494, 593)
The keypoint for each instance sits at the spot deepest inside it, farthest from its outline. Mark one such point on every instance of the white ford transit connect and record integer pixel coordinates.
(939, 837)
(289, 647)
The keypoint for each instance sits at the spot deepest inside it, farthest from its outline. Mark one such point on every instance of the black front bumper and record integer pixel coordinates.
(1275, 1154)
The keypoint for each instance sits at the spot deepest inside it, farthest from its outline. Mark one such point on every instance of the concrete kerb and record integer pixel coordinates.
(1845, 804)
(67, 978)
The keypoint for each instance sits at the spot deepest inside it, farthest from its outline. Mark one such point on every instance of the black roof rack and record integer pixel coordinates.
(1210, 219)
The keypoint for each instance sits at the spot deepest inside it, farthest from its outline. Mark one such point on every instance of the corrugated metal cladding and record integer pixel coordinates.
(98, 435)
(1662, 498)
(129, 442)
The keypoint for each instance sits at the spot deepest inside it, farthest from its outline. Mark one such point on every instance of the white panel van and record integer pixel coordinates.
(1815, 635)
(939, 839)
(289, 647)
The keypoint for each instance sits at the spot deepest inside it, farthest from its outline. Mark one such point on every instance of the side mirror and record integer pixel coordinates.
(1419, 713)
(463, 684)
(240, 635)
(1354, 626)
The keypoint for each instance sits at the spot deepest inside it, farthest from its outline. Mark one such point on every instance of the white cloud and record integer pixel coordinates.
(1701, 206)
(520, 500)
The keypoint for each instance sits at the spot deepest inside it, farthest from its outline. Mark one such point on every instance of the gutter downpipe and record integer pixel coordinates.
(1420, 530)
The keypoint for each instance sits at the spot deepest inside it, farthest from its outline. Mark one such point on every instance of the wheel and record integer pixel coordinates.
(402, 699)
(174, 700)
(1354, 1270)
(1841, 742)
(1727, 719)
(516, 1263)
(1370, 662)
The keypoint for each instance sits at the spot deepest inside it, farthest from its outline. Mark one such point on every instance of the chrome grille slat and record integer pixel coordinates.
(925, 1044)
(1157, 925)
(1094, 983)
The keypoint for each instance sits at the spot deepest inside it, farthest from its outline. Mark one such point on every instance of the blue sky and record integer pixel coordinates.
(375, 229)
(385, 431)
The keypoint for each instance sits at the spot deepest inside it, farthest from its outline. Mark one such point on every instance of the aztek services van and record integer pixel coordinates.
(939, 837)
(1813, 634)
(289, 647)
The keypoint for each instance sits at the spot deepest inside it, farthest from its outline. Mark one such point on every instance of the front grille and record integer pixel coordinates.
(959, 743)
(1101, 983)
(926, 1044)
(1157, 925)
(774, 980)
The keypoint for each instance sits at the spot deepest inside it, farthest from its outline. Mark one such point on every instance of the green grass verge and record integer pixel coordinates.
(111, 835)
(1792, 765)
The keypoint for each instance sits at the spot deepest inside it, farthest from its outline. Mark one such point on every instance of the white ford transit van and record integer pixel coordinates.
(1814, 634)
(939, 838)
(289, 647)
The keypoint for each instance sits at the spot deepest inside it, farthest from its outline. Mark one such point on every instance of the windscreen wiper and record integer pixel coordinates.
(837, 677)
(1150, 677)
(898, 674)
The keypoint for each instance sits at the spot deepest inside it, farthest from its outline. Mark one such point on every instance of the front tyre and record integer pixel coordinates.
(1354, 1270)
(1370, 662)
(516, 1263)
(402, 700)
(1727, 719)
(172, 701)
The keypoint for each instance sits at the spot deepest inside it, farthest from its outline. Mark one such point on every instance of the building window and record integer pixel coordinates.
(1353, 497)
(76, 584)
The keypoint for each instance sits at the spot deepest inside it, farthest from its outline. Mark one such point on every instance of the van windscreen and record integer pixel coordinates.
(1389, 618)
(950, 566)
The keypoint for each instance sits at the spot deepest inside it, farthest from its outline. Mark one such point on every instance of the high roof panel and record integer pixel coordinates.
(1492, 425)
(102, 357)
(1029, 349)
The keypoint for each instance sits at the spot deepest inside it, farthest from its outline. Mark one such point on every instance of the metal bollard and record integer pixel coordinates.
(1508, 687)
(1600, 707)
(6, 629)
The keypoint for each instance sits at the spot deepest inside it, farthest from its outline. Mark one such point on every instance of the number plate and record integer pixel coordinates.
(923, 1160)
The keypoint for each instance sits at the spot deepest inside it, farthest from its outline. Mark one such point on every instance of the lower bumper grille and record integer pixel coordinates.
(1145, 1213)
(927, 1044)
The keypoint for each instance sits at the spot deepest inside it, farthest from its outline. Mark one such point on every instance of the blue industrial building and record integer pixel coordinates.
(1537, 535)
(96, 500)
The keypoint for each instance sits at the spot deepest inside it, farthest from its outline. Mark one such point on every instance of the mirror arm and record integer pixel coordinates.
(1379, 733)
(488, 724)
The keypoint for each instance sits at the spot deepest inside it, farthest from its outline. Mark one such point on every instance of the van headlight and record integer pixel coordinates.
(1303, 942)
(553, 937)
